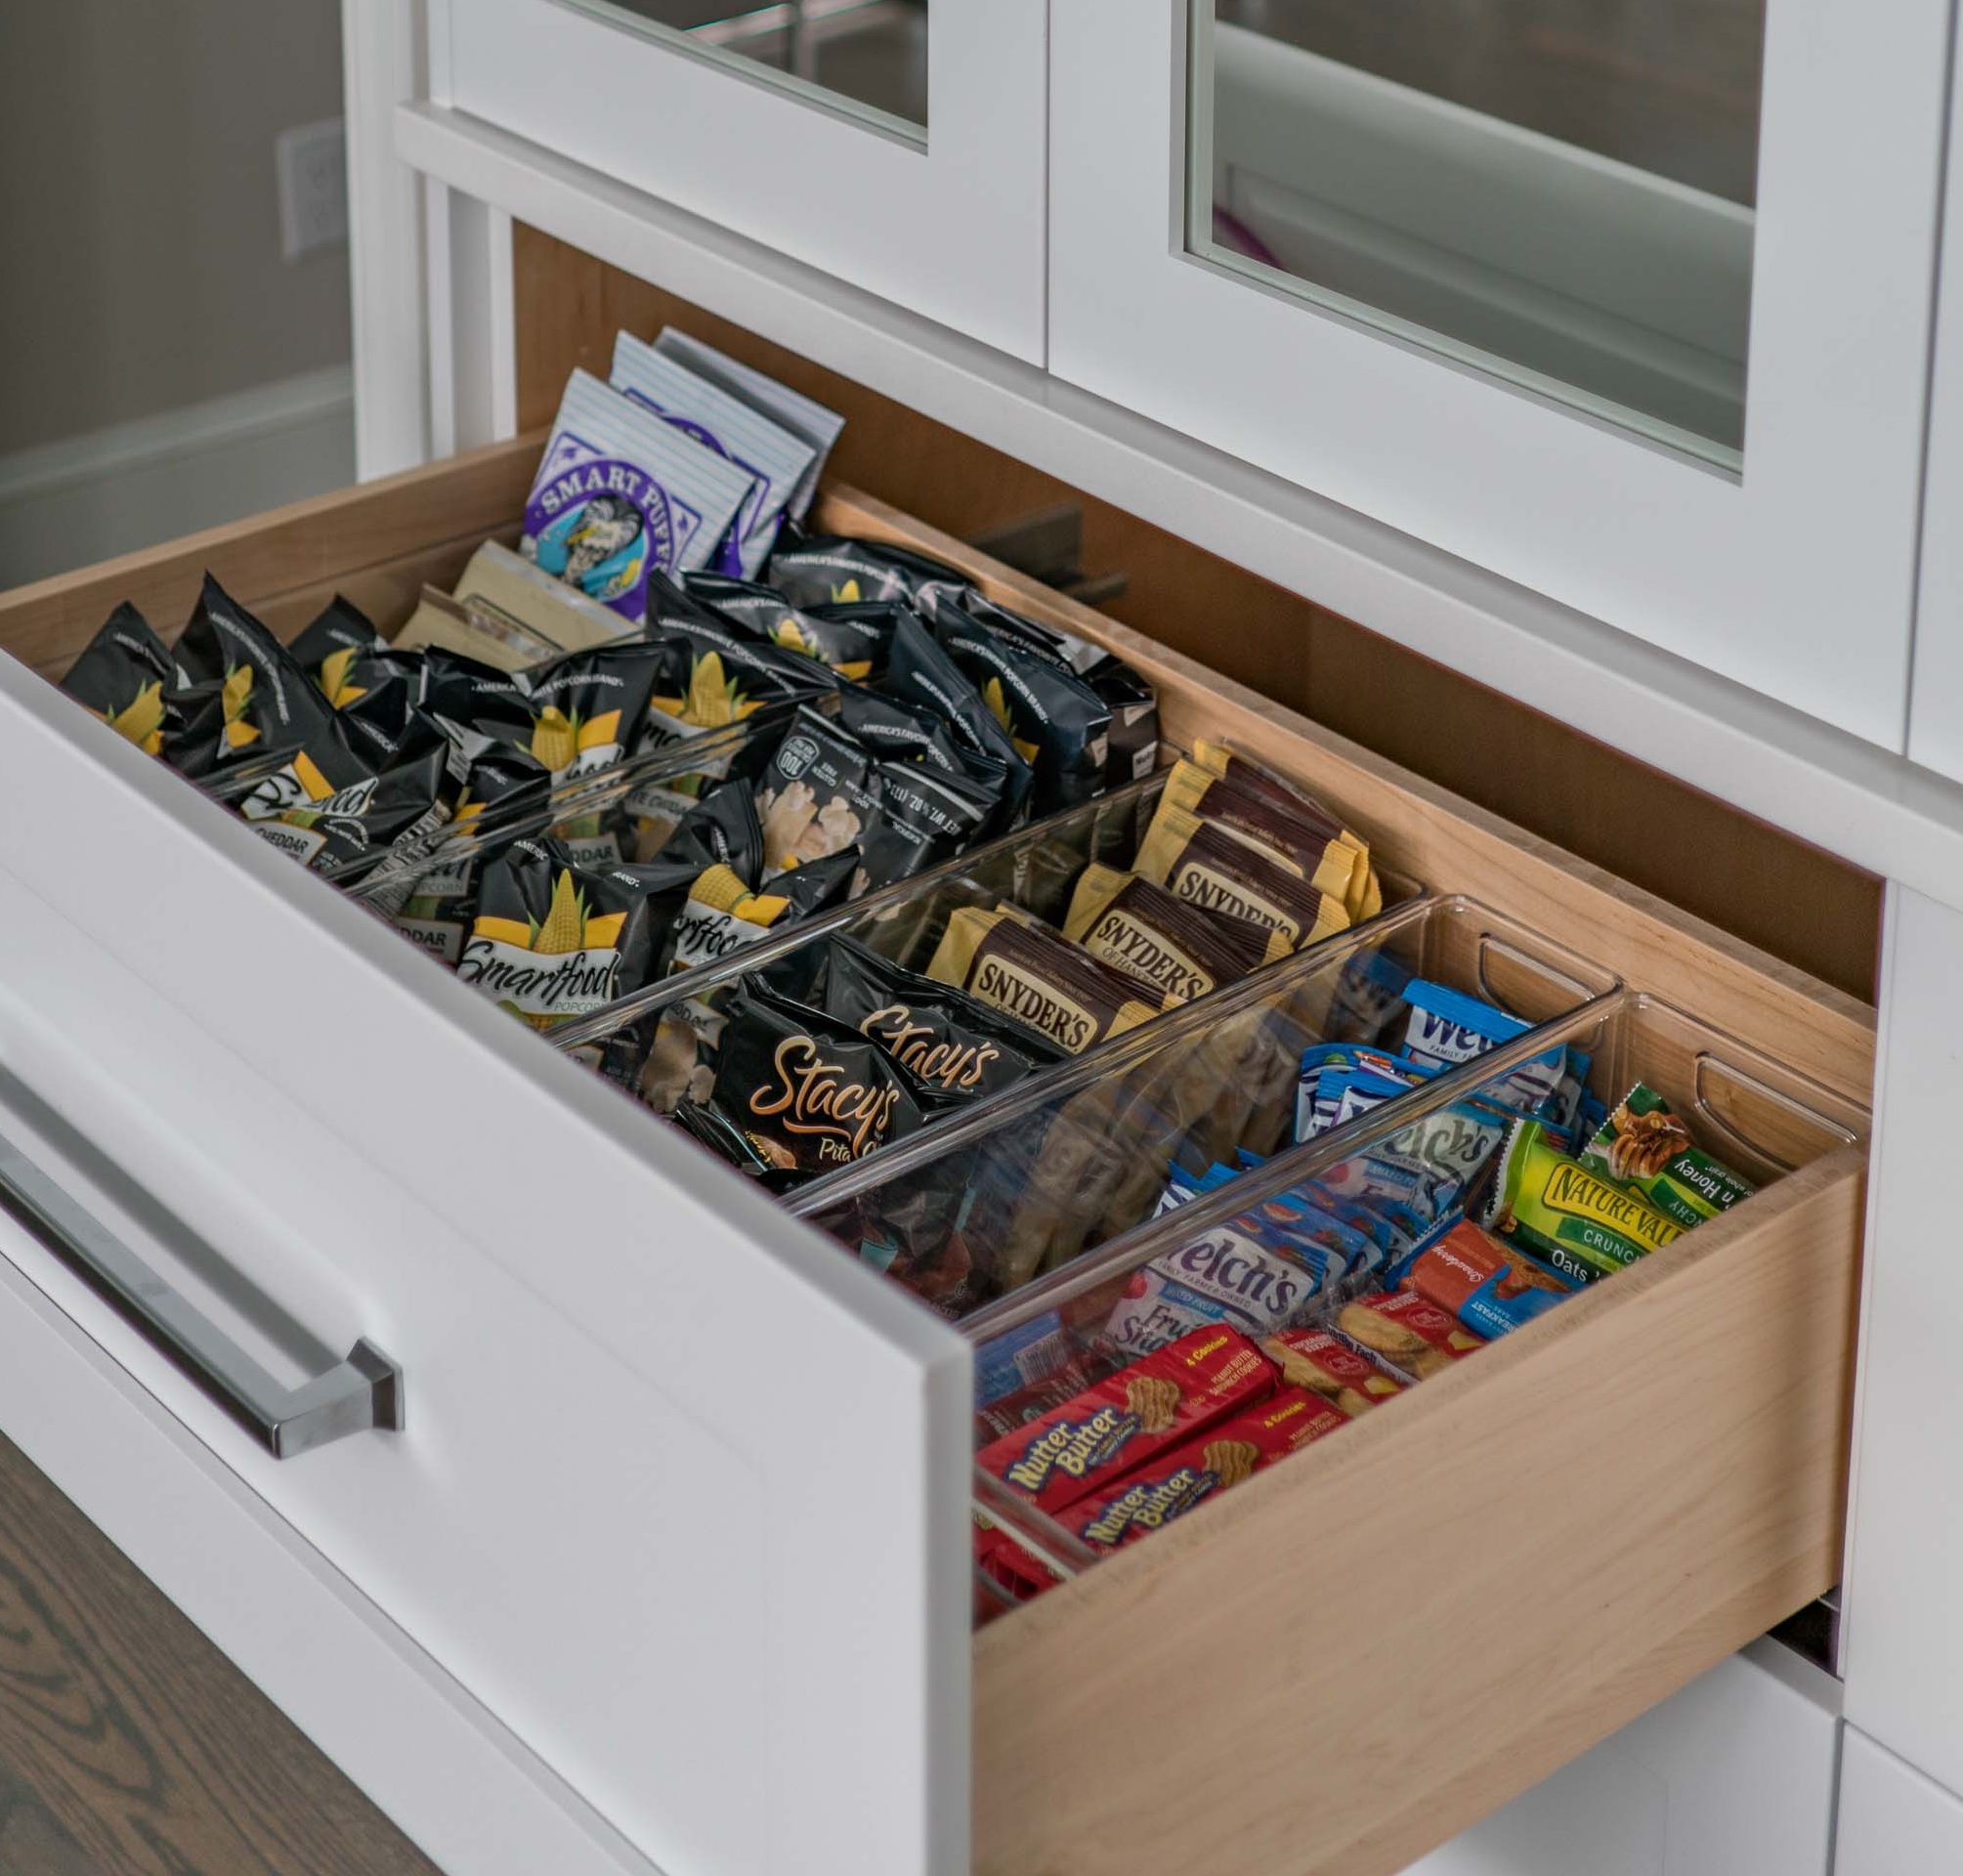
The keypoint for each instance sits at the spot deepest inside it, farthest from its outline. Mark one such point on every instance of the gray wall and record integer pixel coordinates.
(139, 212)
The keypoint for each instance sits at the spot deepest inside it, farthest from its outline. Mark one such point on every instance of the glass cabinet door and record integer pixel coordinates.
(1626, 300)
(897, 144)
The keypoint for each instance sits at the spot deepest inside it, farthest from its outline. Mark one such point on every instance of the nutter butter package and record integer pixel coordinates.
(771, 457)
(1128, 1417)
(953, 1043)
(621, 494)
(805, 1092)
(552, 939)
(374, 689)
(1012, 965)
(1210, 868)
(259, 704)
(126, 676)
(1163, 941)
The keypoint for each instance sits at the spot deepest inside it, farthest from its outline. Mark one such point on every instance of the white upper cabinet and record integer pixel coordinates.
(895, 143)
(1629, 305)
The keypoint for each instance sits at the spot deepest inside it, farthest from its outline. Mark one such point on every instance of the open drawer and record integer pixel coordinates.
(682, 1494)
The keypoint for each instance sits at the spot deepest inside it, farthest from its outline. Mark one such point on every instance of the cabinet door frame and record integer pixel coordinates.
(949, 222)
(1761, 575)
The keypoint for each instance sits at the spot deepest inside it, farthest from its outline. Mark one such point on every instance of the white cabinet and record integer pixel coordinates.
(1521, 352)
(944, 216)
(1892, 1820)
(1734, 1776)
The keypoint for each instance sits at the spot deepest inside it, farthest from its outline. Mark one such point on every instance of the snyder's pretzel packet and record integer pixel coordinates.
(1334, 1367)
(1645, 1144)
(1150, 1496)
(1153, 937)
(1302, 837)
(1408, 1332)
(1210, 866)
(1489, 1286)
(1027, 971)
(1128, 1417)
(1581, 1225)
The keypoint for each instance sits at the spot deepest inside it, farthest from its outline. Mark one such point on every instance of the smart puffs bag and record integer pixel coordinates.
(774, 459)
(620, 496)
(373, 689)
(126, 676)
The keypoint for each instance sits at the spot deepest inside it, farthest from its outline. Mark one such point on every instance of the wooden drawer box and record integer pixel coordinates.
(745, 1455)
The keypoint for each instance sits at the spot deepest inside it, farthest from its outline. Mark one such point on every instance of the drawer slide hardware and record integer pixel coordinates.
(362, 1391)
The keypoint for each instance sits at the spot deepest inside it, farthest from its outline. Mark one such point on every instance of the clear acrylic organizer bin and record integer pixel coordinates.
(1756, 1115)
(987, 1201)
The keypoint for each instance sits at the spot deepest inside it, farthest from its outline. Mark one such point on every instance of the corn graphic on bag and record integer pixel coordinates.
(373, 689)
(817, 570)
(126, 676)
(587, 708)
(255, 702)
(851, 640)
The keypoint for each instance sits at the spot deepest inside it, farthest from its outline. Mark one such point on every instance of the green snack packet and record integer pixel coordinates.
(1579, 1225)
(1644, 1144)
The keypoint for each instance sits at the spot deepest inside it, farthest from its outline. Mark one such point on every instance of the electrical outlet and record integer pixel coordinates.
(313, 165)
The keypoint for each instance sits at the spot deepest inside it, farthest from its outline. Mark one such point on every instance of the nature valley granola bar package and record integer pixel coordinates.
(1581, 1225)
(1644, 1143)
(1128, 1418)
(620, 496)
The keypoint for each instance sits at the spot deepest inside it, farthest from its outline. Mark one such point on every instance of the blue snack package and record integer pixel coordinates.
(1238, 1272)
(774, 459)
(1450, 1026)
(620, 494)
(1369, 994)
(1020, 1356)
(1313, 1114)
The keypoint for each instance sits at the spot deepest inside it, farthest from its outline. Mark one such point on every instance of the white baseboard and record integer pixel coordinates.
(84, 499)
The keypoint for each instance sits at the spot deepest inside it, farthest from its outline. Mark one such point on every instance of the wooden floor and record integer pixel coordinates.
(129, 1746)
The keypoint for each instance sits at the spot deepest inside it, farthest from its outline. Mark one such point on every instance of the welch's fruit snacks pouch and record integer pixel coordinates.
(771, 457)
(372, 687)
(126, 676)
(805, 418)
(851, 640)
(819, 569)
(552, 939)
(620, 494)
(256, 701)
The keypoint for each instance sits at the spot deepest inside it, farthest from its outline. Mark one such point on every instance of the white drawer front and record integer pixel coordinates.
(674, 1475)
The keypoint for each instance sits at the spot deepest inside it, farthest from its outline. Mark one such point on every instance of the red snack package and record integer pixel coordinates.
(1152, 1495)
(995, 1418)
(1408, 1332)
(1332, 1367)
(1000, 1557)
(1121, 1422)
(1488, 1284)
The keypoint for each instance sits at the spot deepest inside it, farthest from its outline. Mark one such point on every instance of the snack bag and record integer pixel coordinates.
(586, 708)
(553, 940)
(1212, 867)
(771, 457)
(504, 586)
(1121, 1423)
(1150, 1496)
(805, 418)
(1408, 1332)
(723, 912)
(374, 688)
(1028, 972)
(1242, 1271)
(620, 494)
(947, 1039)
(1490, 1287)
(817, 569)
(1003, 1559)
(921, 672)
(805, 1092)
(1581, 1225)
(1338, 1369)
(126, 676)
(1643, 1143)
(851, 640)
(256, 702)
(1162, 941)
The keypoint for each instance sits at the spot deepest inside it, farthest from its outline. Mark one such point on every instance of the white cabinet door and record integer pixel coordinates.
(892, 144)
(1695, 417)
(1892, 1820)
(1901, 1646)
(1734, 1776)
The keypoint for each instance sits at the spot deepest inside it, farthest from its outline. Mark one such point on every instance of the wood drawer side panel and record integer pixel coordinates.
(1462, 1592)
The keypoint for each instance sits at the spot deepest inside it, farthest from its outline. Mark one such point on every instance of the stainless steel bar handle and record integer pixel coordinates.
(365, 1391)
